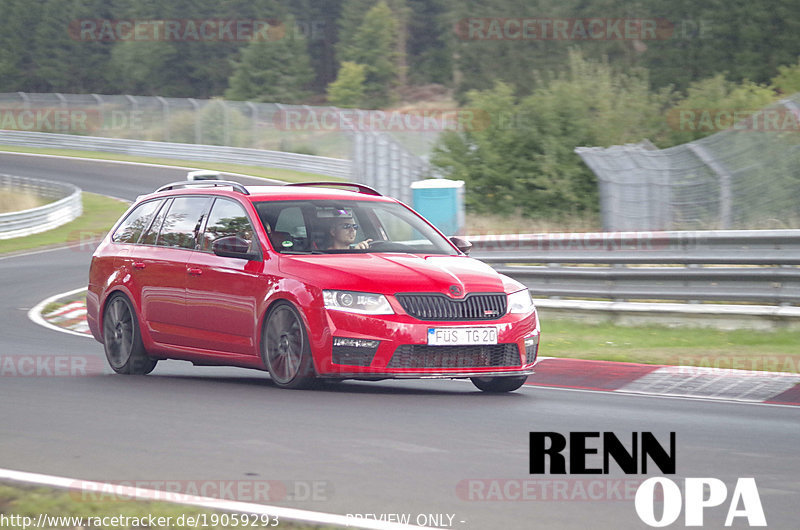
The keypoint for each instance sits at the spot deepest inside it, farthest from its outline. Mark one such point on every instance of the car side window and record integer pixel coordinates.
(183, 222)
(227, 218)
(139, 219)
(150, 236)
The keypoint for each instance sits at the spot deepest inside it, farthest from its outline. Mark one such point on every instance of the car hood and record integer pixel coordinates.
(397, 273)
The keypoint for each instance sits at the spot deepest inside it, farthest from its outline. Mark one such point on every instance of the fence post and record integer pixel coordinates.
(725, 193)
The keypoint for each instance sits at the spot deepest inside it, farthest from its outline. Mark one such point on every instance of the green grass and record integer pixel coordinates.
(26, 501)
(14, 200)
(286, 175)
(99, 215)
(743, 349)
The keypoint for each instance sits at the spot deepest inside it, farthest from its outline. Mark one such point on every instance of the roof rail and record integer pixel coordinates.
(361, 188)
(203, 184)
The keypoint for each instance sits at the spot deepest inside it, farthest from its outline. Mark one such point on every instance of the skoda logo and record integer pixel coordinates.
(455, 290)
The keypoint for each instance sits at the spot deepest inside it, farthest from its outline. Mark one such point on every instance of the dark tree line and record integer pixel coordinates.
(421, 42)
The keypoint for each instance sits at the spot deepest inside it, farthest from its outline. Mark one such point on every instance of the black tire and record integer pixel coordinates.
(122, 339)
(499, 384)
(285, 349)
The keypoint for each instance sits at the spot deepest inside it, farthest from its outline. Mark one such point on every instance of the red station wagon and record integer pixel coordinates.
(306, 282)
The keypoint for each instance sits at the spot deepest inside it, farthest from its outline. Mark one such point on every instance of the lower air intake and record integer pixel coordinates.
(422, 356)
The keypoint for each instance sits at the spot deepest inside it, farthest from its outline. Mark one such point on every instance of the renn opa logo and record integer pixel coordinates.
(546, 456)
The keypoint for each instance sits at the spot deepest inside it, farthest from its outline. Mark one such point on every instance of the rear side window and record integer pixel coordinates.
(149, 237)
(139, 219)
(227, 218)
(182, 223)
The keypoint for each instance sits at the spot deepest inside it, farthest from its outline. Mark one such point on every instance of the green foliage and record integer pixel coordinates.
(218, 119)
(428, 47)
(373, 45)
(709, 103)
(523, 160)
(348, 89)
(273, 70)
(788, 79)
(350, 19)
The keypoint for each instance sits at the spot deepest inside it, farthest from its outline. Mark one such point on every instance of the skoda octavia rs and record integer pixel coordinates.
(307, 282)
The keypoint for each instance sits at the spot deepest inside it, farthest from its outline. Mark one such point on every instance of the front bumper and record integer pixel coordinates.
(401, 350)
(426, 374)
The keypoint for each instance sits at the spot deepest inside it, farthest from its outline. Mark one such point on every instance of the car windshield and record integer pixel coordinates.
(342, 226)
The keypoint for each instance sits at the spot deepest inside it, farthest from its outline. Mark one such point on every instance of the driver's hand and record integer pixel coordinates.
(363, 245)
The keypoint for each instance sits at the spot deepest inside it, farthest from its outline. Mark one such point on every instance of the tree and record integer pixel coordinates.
(429, 49)
(273, 71)
(373, 45)
(350, 19)
(348, 89)
(710, 106)
(522, 159)
(787, 81)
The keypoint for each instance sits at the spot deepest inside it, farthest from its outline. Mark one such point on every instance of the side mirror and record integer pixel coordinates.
(461, 244)
(233, 247)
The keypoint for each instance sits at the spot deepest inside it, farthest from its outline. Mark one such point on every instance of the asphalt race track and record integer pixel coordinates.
(419, 447)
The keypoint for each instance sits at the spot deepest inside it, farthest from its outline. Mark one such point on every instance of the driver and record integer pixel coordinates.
(343, 235)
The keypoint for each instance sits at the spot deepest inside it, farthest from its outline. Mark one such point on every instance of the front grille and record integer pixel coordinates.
(422, 356)
(436, 306)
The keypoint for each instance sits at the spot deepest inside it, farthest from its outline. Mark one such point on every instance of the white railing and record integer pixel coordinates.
(66, 206)
(319, 165)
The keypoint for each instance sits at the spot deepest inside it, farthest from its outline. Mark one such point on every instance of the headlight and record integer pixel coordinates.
(355, 302)
(520, 302)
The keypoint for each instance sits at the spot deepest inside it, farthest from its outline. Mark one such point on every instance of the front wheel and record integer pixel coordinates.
(499, 384)
(122, 339)
(285, 349)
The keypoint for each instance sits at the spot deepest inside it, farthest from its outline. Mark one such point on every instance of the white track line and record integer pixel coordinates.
(35, 313)
(204, 502)
(148, 164)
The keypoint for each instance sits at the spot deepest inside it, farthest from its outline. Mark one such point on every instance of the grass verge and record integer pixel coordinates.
(12, 200)
(774, 351)
(20, 502)
(255, 171)
(99, 215)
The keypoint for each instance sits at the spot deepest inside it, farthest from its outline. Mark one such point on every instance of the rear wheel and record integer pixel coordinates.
(285, 349)
(499, 384)
(122, 339)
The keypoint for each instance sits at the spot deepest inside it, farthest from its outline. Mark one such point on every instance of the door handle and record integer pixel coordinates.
(139, 265)
(194, 271)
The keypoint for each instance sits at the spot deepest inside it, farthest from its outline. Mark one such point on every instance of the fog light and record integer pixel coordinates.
(355, 352)
(531, 348)
(355, 343)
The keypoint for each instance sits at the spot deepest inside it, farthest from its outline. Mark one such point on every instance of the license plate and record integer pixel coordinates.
(461, 336)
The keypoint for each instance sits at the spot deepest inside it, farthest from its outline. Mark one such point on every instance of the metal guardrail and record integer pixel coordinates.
(66, 206)
(332, 167)
(754, 266)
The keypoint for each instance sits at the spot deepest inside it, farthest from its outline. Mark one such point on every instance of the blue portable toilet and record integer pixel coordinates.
(440, 201)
